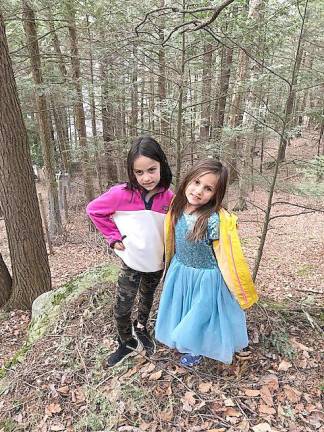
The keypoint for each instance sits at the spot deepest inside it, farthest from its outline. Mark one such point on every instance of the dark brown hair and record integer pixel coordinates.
(205, 166)
(149, 147)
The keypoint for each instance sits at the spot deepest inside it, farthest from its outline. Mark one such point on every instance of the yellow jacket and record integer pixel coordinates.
(229, 254)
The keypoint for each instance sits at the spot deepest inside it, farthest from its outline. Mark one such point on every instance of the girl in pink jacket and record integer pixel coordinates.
(131, 216)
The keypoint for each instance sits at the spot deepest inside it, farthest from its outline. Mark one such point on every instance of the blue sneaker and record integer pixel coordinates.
(190, 360)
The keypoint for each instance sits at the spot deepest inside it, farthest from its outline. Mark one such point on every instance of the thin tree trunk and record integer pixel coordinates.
(225, 73)
(134, 94)
(164, 123)
(78, 105)
(206, 92)
(93, 112)
(180, 112)
(281, 143)
(29, 262)
(55, 221)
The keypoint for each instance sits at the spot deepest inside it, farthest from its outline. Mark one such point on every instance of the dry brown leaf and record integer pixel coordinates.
(147, 369)
(292, 394)
(300, 346)
(284, 365)
(271, 381)
(57, 427)
(262, 427)
(252, 393)
(64, 390)
(52, 408)
(144, 426)
(231, 412)
(188, 401)
(217, 430)
(243, 426)
(266, 409)
(167, 415)
(205, 387)
(229, 402)
(266, 395)
(155, 375)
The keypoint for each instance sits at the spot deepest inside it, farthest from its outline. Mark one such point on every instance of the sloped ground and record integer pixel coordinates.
(62, 385)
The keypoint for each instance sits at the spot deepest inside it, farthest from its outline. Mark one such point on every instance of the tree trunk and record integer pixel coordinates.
(55, 221)
(93, 112)
(235, 115)
(245, 146)
(206, 92)
(225, 73)
(180, 113)
(164, 123)
(29, 262)
(78, 106)
(134, 94)
(110, 170)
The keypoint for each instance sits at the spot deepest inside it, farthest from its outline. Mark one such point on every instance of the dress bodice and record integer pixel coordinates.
(197, 254)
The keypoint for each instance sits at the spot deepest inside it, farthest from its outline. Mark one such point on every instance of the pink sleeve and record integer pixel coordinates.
(100, 211)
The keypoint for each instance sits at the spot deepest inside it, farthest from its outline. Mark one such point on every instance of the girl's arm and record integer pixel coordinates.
(100, 211)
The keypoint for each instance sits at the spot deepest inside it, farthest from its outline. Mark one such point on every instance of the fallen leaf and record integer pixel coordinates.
(167, 415)
(271, 381)
(229, 403)
(292, 394)
(284, 365)
(262, 427)
(64, 390)
(231, 412)
(300, 346)
(57, 427)
(188, 401)
(147, 369)
(217, 430)
(205, 387)
(52, 408)
(243, 426)
(155, 375)
(266, 409)
(266, 395)
(252, 393)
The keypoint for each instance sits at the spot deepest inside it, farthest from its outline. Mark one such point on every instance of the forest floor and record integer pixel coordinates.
(275, 385)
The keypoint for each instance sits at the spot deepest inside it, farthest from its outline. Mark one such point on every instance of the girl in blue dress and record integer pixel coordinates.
(198, 315)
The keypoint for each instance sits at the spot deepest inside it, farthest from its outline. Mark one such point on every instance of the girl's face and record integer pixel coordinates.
(201, 190)
(147, 172)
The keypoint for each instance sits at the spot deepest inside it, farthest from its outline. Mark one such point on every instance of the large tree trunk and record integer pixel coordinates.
(29, 262)
(78, 106)
(55, 221)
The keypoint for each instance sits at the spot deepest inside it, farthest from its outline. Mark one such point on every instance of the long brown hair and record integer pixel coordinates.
(202, 167)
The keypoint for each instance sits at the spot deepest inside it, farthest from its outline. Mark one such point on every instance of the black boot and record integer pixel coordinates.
(126, 349)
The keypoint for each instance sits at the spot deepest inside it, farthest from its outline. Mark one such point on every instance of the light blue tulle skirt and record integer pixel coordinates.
(199, 315)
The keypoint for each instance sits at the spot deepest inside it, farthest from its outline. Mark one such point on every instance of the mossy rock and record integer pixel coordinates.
(47, 306)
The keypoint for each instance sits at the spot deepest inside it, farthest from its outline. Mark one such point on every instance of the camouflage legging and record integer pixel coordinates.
(129, 283)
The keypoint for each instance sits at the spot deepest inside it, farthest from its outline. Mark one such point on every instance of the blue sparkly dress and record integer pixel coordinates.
(197, 312)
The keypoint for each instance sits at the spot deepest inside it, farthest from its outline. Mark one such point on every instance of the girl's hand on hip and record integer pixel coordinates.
(119, 246)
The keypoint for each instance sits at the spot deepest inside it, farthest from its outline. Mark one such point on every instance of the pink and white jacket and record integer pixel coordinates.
(123, 215)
